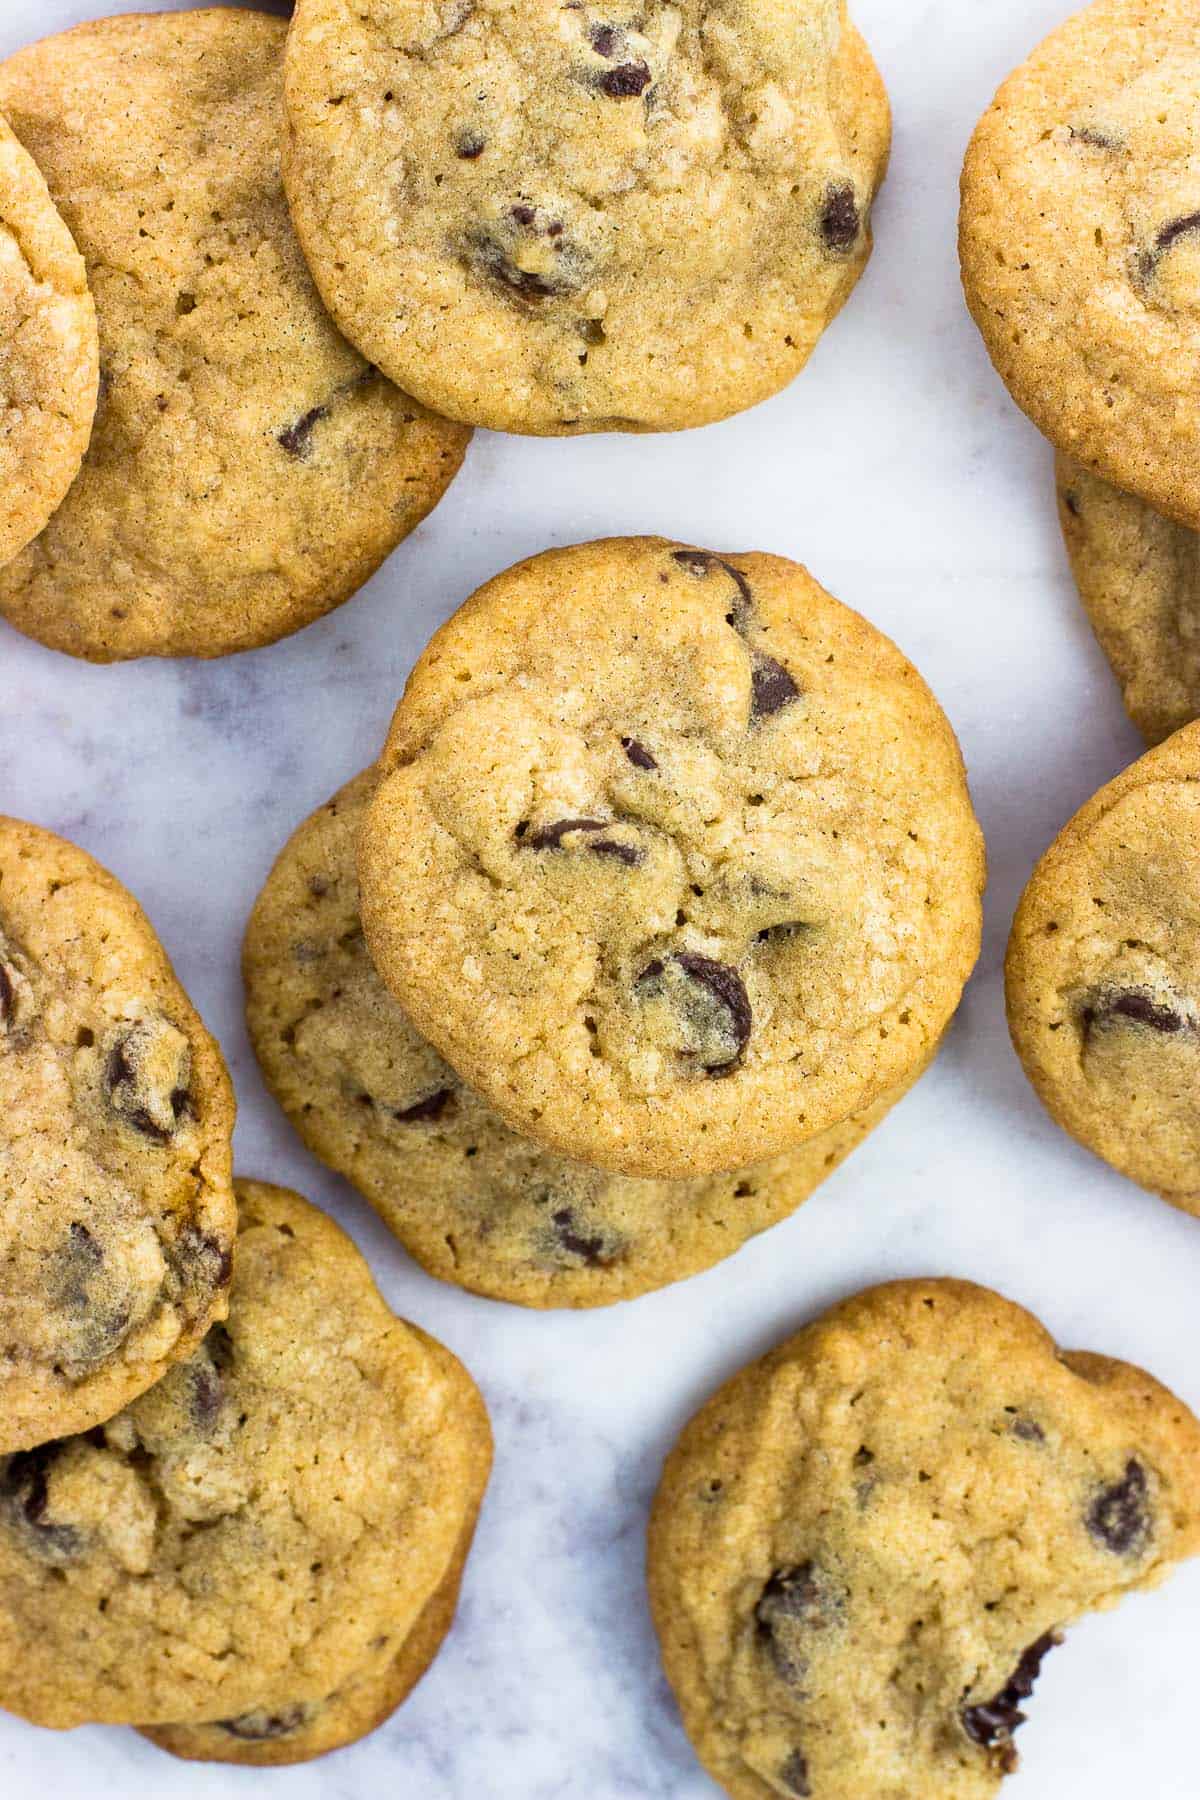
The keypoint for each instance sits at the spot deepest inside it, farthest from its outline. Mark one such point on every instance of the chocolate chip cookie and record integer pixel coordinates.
(866, 1543)
(248, 470)
(1103, 972)
(49, 355)
(672, 857)
(1138, 575)
(583, 217)
(252, 1544)
(117, 1214)
(473, 1202)
(1080, 242)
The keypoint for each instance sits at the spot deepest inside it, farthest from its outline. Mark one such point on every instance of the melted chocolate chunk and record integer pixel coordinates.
(1148, 258)
(469, 145)
(1119, 1517)
(729, 990)
(771, 687)
(703, 562)
(994, 1721)
(296, 438)
(492, 252)
(1135, 1006)
(840, 222)
(629, 854)
(258, 1727)
(638, 754)
(431, 1107)
(1094, 138)
(550, 837)
(589, 1248)
(24, 1486)
(202, 1258)
(626, 81)
(147, 1079)
(794, 1603)
(794, 1775)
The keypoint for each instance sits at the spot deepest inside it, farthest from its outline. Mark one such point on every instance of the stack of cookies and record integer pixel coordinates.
(236, 1493)
(1080, 243)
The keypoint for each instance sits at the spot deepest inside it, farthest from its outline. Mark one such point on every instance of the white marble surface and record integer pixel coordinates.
(896, 468)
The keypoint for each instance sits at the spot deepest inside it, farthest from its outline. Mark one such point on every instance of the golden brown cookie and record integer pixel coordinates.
(672, 857)
(1080, 244)
(474, 1203)
(49, 355)
(260, 1536)
(248, 470)
(867, 1542)
(117, 1214)
(1103, 972)
(551, 218)
(1138, 575)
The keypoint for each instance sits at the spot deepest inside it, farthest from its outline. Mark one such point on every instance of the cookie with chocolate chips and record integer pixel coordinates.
(49, 353)
(1138, 575)
(1103, 972)
(117, 1213)
(865, 1545)
(473, 1202)
(1080, 244)
(672, 857)
(248, 470)
(585, 217)
(261, 1555)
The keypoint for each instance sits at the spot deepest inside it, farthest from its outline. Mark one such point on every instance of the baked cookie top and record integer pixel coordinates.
(117, 1214)
(475, 1203)
(561, 218)
(248, 469)
(49, 356)
(865, 1544)
(267, 1522)
(1138, 576)
(1080, 242)
(672, 857)
(298, 1733)
(1103, 972)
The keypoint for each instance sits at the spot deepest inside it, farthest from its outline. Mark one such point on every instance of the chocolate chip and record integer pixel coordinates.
(296, 439)
(713, 1002)
(994, 1721)
(469, 145)
(491, 258)
(147, 1078)
(207, 1394)
(794, 1603)
(524, 215)
(258, 1727)
(728, 989)
(625, 82)
(1136, 1006)
(25, 1488)
(431, 1107)
(589, 1248)
(1119, 1517)
(606, 41)
(1094, 137)
(629, 854)
(550, 837)
(840, 223)
(703, 562)
(1029, 1431)
(8, 995)
(201, 1258)
(1170, 234)
(638, 754)
(1071, 502)
(771, 687)
(794, 1775)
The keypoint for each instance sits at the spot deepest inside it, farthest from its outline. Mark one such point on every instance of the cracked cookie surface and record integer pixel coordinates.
(117, 1214)
(866, 1543)
(472, 1201)
(549, 217)
(1138, 575)
(262, 1532)
(1103, 972)
(1080, 244)
(49, 355)
(672, 857)
(248, 469)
